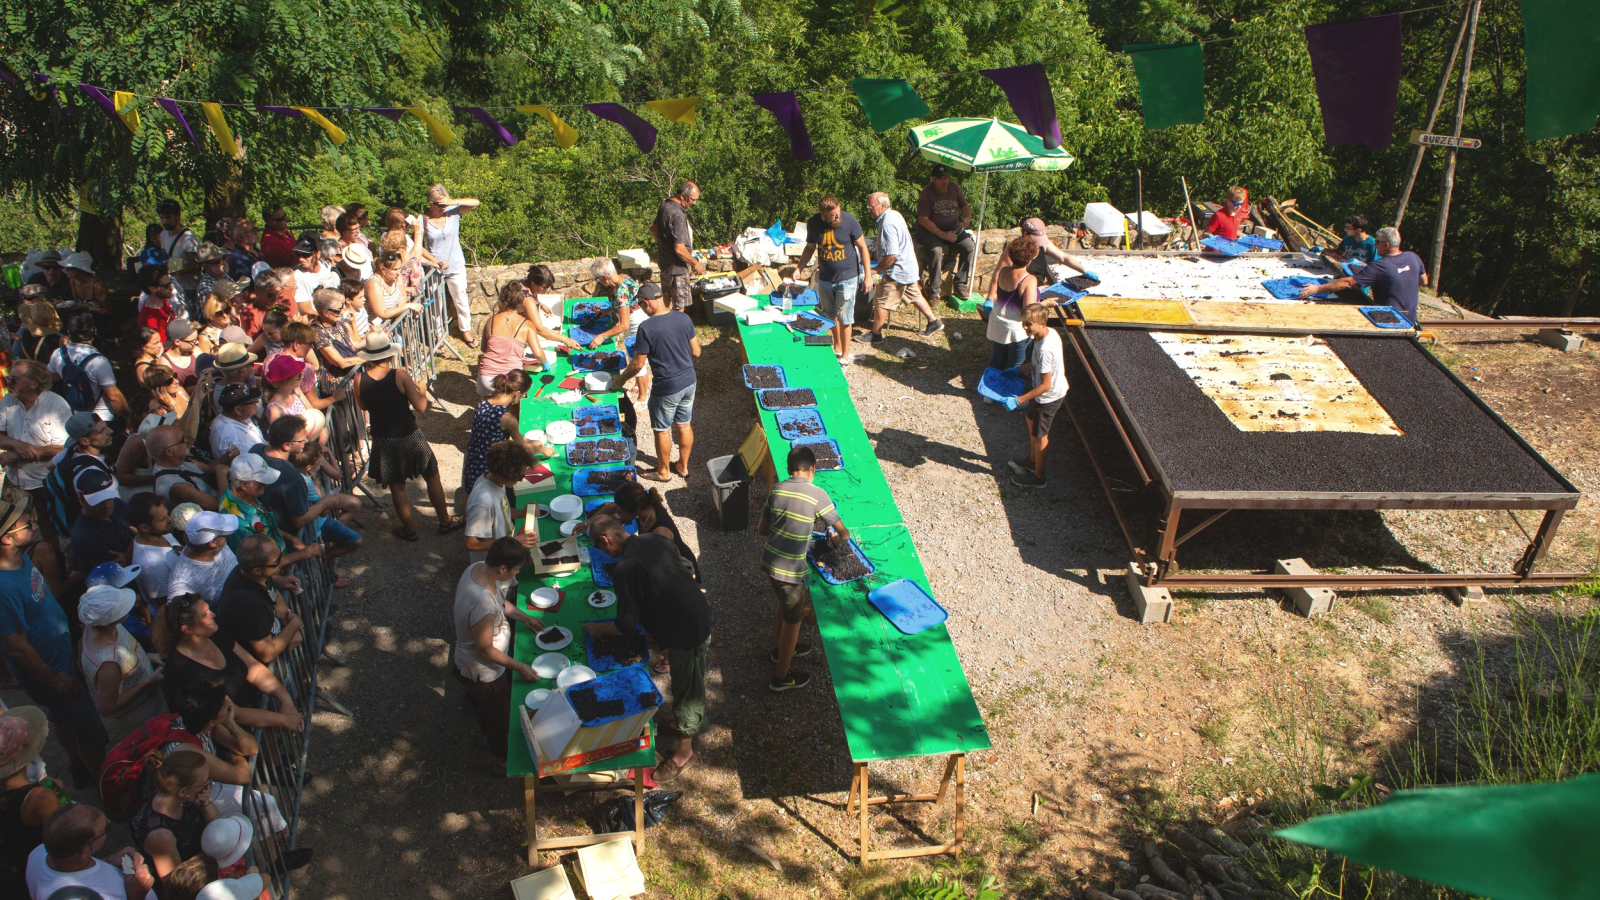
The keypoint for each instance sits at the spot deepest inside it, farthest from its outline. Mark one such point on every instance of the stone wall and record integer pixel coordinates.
(573, 278)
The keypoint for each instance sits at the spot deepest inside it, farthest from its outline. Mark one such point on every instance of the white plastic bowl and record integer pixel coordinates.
(561, 431)
(568, 527)
(597, 381)
(544, 598)
(549, 665)
(535, 435)
(536, 698)
(574, 674)
(566, 507)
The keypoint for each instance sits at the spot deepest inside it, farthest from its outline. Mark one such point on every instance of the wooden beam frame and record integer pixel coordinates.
(530, 795)
(860, 801)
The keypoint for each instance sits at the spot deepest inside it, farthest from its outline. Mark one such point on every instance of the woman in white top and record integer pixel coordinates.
(386, 292)
(125, 683)
(442, 231)
(482, 656)
(1016, 290)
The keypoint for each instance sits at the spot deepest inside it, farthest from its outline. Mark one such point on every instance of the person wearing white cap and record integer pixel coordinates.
(226, 841)
(206, 560)
(88, 292)
(125, 683)
(101, 533)
(248, 480)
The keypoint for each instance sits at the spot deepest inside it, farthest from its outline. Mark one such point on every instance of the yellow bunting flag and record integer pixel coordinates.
(335, 133)
(123, 101)
(84, 203)
(566, 135)
(679, 110)
(219, 128)
(439, 131)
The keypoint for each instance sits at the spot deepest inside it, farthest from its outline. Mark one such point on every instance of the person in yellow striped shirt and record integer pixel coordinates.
(794, 507)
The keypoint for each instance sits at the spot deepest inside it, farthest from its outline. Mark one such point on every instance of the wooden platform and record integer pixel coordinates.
(1231, 316)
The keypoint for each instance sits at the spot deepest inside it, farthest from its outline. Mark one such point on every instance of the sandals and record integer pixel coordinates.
(405, 535)
(454, 523)
(661, 666)
(653, 475)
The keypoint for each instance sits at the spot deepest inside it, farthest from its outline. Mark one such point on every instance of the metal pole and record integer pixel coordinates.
(1138, 193)
(1449, 183)
(1433, 116)
(983, 204)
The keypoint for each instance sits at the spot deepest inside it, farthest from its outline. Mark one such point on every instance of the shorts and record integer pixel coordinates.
(338, 533)
(837, 300)
(889, 295)
(793, 598)
(667, 410)
(1042, 415)
(77, 711)
(675, 289)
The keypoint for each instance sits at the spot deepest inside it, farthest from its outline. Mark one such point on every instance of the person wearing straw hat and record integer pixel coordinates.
(213, 268)
(234, 363)
(125, 683)
(399, 451)
(26, 802)
(356, 265)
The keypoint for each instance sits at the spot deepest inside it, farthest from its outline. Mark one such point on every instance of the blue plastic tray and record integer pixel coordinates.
(582, 487)
(998, 386)
(762, 397)
(1250, 240)
(807, 297)
(600, 562)
(826, 576)
(789, 418)
(583, 335)
(606, 418)
(907, 606)
(587, 311)
(1060, 288)
(1368, 311)
(830, 442)
(745, 373)
(1223, 245)
(1289, 288)
(630, 686)
(599, 361)
(812, 323)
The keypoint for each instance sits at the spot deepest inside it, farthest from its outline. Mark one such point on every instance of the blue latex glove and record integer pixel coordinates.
(1011, 403)
(1091, 275)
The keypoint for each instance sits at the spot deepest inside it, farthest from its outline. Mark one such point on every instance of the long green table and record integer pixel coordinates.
(899, 695)
(573, 613)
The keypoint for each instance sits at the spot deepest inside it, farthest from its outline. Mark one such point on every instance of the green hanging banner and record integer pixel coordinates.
(888, 101)
(1562, 41)
(1513, 842)
(1172, 83)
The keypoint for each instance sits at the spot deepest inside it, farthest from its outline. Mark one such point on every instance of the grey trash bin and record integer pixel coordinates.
(730, 491)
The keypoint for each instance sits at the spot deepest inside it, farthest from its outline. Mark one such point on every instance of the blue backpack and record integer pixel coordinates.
(76, 385)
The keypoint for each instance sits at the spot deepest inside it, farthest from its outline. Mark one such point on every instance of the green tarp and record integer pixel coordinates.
(888, 101)
(1562, 41)
(1516, 842)
(1172, 83)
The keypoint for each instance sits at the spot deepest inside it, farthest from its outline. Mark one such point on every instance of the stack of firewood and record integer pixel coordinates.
(1213, 867)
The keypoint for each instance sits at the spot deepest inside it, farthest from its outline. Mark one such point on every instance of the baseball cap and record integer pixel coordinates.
(96, 485)
(80, 424)
(112, 574)
(250, 467)
(650, 291)
(179, 329)
(247, 887)
(306, 247)
(233, 334)
(237, 395)
(227, 839)
(104, 604)
(206, 526)
(1034, 228)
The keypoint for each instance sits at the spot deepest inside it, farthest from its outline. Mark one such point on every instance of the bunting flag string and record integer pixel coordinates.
(99, 97)
(171, 106)
(786, 106)
(440, 132)
(643, 133)
(335, 133)
(220, 130)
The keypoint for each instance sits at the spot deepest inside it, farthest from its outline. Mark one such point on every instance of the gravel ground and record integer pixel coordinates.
(1098, 723)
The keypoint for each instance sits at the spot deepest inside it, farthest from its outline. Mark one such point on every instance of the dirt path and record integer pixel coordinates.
(1106, 722)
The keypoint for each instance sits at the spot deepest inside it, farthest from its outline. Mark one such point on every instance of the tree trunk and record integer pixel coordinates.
(1584, 262)
(101, 236)
(225, 195)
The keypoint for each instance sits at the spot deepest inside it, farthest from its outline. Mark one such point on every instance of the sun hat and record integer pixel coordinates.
(80, 424)
(105, 605)
(179, 329)
(1034, 228)
(205, 526)
(112, 574)
(378, 347)
(284, 366)
(81, 261)
(22, 733)
(227, 839)
(209, 252)
(225, 289)
(31, 292)
(95, 485)
(357, 255)
(49, 256)
(246, 887)
(182, 514)
(232, 354)
(250, 467)
(13, 506)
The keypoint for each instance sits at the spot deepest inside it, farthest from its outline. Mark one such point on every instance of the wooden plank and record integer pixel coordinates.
(1122, 309)
(1286, 316)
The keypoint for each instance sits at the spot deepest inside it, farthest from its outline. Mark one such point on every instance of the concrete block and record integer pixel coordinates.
(1467, 597)
(1153, 604)
(1561, 339)
(1307, 601)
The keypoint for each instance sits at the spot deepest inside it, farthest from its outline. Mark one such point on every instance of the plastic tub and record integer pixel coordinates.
(1104, 219)
(597, 381)
(566, 507)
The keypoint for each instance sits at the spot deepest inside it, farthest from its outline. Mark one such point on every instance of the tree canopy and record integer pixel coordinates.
(1524, 223)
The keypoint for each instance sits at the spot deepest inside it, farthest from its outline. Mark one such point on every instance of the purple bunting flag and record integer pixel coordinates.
(644, 134)
(171, 106)
(1028, 91)
(786, 106)
(100, 97)
(6, 76)
(1357, 67)
(482, 115)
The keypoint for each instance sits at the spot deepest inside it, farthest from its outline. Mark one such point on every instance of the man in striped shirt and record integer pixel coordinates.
(793, 509)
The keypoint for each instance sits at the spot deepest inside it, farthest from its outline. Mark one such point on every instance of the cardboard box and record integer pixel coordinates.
(633, 259)
(609, 870)
(758, 280)
(560, 732)
(539, 480)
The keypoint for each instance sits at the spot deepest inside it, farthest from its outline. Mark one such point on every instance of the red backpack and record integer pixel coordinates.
(122, 787)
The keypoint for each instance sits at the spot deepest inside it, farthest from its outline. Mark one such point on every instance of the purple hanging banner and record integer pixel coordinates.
(171, 106)
(7, 77)
(1357, 67)
(479, 113)
(786, 106)
(289, 111)
(388, 112)
(644, 134)
(1028, 91)
(100, 97)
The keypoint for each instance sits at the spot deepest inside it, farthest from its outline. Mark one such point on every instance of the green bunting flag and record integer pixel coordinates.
(888, 101)
(1172, 83)
(1562, 41)
(1516, 842)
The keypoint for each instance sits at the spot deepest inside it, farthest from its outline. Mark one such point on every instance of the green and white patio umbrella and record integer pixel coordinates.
(985, 145)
